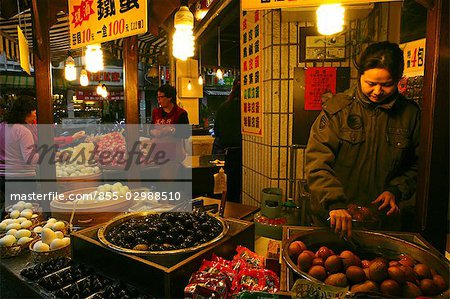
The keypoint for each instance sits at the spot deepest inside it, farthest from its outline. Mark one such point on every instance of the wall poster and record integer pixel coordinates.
(318, 80)
(251, 71)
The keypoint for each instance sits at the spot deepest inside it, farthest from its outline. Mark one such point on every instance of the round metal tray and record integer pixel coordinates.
(370, 243)
(103, 232)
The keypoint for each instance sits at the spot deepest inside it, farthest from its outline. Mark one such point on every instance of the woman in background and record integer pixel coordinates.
(18, 160)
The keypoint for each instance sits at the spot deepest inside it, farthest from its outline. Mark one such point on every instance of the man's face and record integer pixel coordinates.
(163, 101)
(377, 84)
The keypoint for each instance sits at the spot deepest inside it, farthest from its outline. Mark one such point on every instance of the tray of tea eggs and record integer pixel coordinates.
(65, 278)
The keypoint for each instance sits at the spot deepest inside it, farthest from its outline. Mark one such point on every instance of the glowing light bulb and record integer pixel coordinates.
(200, 80)
(84, 80)
(70, 72)
(189, 86)
(330, 19)
(99, 89)
(219, 74)
(94, 58)
(183, 39)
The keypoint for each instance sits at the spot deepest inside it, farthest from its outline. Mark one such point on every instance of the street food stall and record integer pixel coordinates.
(119, 212)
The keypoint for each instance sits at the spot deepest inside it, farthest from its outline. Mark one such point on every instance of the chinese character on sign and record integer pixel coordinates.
(126, 5)
(82, 12)
(104, 34)
(420, 57)
(105, 8)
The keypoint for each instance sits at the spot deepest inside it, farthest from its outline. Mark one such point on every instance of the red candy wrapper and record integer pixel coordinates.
(251, 259)
(256, 280)
(207, 285)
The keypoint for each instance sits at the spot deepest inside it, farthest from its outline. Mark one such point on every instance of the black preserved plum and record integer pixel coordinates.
(179, 230)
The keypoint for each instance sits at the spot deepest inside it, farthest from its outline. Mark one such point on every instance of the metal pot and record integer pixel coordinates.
(369, 245)
(104, 230)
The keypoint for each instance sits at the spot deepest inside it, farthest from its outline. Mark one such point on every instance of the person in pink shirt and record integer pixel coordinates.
(17, 160)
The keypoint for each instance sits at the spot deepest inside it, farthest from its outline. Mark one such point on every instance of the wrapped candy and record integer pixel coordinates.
(256, 280)
(250, 258)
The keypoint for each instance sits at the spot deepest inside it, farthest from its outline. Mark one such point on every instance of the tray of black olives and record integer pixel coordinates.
(84, 287)
(117, 290)
(65, 278)
(40, 270)
(150, 233)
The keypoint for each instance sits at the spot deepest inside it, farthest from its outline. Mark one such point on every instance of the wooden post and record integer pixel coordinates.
(43, 79)
(131, 87)
(131, 93)
(432, 191)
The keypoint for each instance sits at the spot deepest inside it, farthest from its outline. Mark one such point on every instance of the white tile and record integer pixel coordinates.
(276, 62)
(284, 62)
(275, 129)
(276, 96)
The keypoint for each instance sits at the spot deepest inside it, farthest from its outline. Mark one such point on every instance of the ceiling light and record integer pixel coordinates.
(94, 58)
(330, 19)
(104, 92)
(84, 80)
(99, 89)
(183, 38)
(70, 72)
(219, 74)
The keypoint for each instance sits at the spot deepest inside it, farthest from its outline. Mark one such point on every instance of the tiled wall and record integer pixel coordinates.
(266, 160)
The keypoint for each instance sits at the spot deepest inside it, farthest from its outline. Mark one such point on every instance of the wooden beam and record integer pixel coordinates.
(131, 94)
(432, 192)
(43, 81)
(42, 62)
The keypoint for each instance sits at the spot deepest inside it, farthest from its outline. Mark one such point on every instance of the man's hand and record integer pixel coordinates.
(387, 199)
(341, 220)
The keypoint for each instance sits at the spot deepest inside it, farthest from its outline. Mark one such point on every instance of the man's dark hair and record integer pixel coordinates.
(21, 107)
(383, 55)
(169, 91)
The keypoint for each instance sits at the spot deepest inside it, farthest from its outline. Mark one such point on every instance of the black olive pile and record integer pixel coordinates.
(84, 288)
(42, 269)
(118, 290)
(165, 231)
(64, 278)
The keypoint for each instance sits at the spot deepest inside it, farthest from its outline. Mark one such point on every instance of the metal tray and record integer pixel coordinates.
(103, 232)
(372, 243)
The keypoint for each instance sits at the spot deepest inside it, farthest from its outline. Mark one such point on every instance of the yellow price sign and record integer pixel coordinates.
(97, 21)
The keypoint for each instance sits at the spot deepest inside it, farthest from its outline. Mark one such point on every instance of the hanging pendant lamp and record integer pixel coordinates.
(219, 73)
